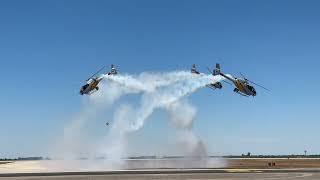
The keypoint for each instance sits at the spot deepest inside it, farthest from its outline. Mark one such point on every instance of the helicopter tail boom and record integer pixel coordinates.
(217, 70)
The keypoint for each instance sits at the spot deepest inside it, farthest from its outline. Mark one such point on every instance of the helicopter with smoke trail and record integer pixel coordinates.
(92, 82)
(242, 85)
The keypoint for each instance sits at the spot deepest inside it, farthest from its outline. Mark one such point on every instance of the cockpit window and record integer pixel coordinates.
(85, 86)
(90, 81)
(251, 88)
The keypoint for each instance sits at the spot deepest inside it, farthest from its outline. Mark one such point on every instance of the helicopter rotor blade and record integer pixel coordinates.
(211, 87)
(243, 76)
(259, 85)
(226, 82)
(97, 72)
(254, 82)
(211, 72)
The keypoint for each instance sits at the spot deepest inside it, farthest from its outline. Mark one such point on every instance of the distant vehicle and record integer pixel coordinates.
(242, 85)
(213, 85)
(92, 83)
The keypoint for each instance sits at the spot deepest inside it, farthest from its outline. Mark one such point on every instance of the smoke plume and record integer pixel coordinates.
(167, 91)
(159, 92)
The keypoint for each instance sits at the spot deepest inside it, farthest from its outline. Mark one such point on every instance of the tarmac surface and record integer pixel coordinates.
(231, 169)
(195, 174)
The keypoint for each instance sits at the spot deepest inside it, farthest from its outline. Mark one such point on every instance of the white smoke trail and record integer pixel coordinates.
(71, 142)
(182, 114)
(148, 82)
(158, 90)
(160, 97)
(109, 93)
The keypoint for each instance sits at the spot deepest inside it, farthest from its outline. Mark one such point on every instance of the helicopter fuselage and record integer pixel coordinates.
(241, 86)
(90, 86)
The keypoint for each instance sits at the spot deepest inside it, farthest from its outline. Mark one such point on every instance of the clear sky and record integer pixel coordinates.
(48, 49)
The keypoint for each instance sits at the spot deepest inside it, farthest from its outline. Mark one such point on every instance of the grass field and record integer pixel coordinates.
(266, 163)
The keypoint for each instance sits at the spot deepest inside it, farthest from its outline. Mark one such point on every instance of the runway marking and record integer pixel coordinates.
(242, 171)
(292, 177)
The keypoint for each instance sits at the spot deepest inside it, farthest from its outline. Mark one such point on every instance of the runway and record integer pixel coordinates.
(192, 174)
(236, 169)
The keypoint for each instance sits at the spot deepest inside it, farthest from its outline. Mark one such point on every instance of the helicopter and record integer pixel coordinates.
(211, 86)
(242, 85)
(92, 82)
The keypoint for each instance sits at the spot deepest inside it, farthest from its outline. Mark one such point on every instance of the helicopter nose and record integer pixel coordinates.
(81, 92)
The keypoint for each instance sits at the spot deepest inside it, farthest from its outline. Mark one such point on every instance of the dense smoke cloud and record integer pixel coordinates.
(167, 91)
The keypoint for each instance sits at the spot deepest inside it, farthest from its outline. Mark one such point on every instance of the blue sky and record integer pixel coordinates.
(48, 48)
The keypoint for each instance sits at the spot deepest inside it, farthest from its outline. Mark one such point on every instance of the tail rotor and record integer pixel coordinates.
(217, 70)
